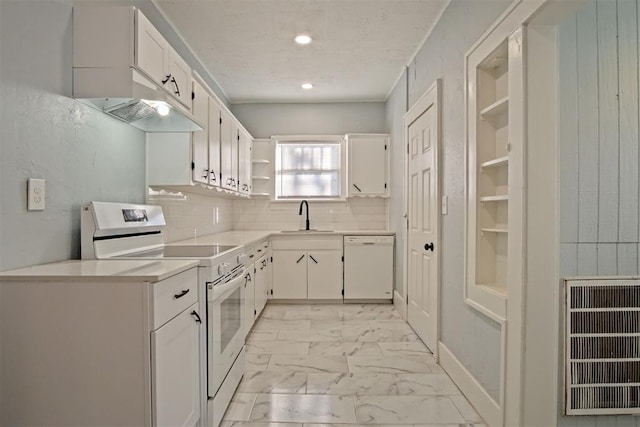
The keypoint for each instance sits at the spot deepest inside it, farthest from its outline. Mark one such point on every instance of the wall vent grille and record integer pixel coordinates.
(602, 346)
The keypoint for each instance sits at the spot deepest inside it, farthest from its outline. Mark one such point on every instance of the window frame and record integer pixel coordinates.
(311, 139)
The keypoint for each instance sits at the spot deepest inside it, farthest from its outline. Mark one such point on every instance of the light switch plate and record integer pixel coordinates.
(445, 205)
(35, 194)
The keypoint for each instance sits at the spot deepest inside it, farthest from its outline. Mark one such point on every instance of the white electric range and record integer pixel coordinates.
(130, 231)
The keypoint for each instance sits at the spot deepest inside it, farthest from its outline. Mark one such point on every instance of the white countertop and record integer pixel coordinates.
(100, 270)
(247, 238)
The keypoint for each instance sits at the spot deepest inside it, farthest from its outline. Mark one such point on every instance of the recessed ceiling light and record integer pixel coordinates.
(306, 86)
(302, 39)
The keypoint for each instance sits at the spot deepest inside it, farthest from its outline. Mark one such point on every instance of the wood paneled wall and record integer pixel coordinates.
(599, 139)
(599, 156)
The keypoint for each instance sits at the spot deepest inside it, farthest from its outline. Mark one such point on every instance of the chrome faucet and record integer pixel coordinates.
(304, 202)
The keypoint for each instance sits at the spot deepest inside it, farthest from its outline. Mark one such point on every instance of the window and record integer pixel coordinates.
(308, 169)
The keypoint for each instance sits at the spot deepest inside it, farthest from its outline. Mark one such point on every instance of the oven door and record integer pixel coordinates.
(225, 337)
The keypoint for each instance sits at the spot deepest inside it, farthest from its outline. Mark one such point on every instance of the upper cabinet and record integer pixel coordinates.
(368, 165)
(495, 171)
(244, 161)
(215, 158)
(155, 56)
(202, 170)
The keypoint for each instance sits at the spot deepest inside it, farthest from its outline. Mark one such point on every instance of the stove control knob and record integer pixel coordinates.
(223, 268)
(242, 259)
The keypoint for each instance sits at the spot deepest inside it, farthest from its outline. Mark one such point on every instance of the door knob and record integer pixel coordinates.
(428, 247)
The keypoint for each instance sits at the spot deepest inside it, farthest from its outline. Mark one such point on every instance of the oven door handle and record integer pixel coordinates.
(218, 290)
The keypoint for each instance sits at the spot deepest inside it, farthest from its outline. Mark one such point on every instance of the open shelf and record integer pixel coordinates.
(499, 228)
(494, 163)
(501, 106)
(501, 198)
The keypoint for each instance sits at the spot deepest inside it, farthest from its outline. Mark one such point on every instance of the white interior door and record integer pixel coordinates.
(423, 218)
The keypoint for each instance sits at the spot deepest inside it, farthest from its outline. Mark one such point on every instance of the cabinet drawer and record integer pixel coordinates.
(305, 243)
(173, 295)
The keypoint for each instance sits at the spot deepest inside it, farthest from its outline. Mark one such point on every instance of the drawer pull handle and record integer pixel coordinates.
(181, 294)
(299, 259)
(197, 316)
(313, 259)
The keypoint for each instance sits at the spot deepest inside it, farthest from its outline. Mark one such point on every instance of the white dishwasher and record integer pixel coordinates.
(368, 267)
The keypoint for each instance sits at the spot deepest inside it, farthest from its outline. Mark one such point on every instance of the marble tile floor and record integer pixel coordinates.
(342, 365)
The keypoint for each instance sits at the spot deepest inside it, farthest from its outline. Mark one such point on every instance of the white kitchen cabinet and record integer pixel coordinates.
(324, 274)
(200, 139)
(156, 58)
(215, 121)
(368, 165)
(289, 274)
(176, 371)
(307, 268)
(228, 151)
(94, 352)
(244, 161)
(212, 157)
(261, 269)
(249, 310)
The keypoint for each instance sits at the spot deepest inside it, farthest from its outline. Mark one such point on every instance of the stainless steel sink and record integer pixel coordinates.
(307, 231)
(195, 251)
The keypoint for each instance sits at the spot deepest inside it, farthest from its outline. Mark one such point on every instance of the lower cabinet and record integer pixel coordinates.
(175, 366)
(307, 268)
(324, 274)
(262, 271)
(101, 352)
(249, 315)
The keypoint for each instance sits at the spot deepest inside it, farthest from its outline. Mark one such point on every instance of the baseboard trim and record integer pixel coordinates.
(400, 304)
(488, 409)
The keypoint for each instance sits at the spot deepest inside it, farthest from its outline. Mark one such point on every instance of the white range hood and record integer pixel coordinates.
(126, 94)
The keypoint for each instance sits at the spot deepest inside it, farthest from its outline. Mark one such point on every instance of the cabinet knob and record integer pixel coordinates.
(429, 247)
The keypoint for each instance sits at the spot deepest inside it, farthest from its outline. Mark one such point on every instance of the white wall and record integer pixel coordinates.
(599, 122)
(84, 155)
(397, 102)
(473, 338)
(265, 120)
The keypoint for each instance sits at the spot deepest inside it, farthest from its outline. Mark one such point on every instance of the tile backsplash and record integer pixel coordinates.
(190, 214)
(353, 214)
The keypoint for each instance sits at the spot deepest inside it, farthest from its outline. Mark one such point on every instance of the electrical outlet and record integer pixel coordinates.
(35, 194)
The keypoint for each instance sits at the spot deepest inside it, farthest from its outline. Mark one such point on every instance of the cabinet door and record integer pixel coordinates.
(235, 145)
(269, 274)
(368, 174)
(244, 162)
(152, 50)
(178, 84)
(261, 283)
(175, 371)
(289, 274)
(324, 274)
(214, 142)
(249, 301)
(226, 150)
(200, 139)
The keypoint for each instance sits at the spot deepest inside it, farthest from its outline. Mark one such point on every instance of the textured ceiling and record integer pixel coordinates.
(358, 51)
